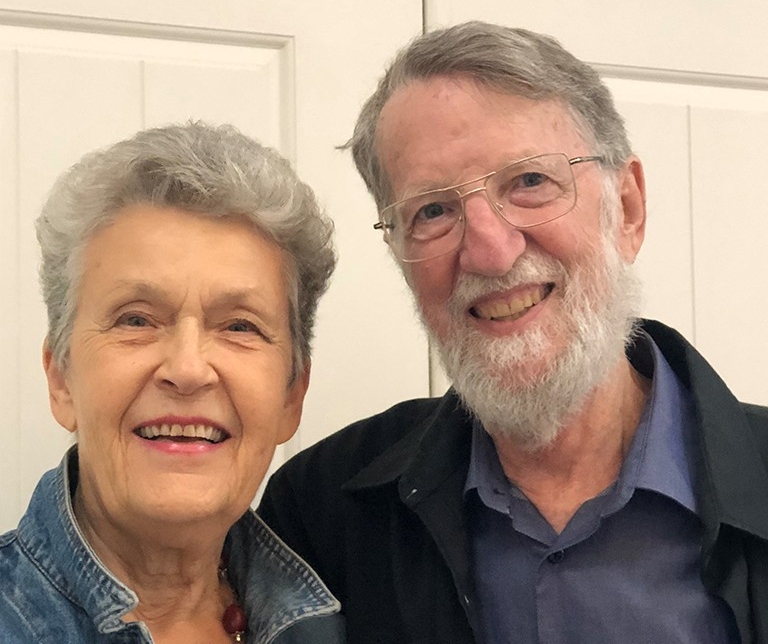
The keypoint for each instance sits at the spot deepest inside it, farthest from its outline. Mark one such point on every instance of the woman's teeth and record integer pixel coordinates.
(205, 432)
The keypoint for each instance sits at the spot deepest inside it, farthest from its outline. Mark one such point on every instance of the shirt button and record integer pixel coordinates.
(556, 557)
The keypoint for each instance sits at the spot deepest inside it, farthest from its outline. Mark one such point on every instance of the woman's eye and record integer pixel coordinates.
(132, 320)
(242, 326)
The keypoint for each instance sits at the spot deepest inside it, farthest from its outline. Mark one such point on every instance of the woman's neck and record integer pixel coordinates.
(174, 571)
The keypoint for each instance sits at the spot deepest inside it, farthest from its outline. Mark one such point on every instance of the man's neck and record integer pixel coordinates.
(587, 454)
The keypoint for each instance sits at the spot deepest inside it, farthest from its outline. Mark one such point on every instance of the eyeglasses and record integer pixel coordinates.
(526, 193)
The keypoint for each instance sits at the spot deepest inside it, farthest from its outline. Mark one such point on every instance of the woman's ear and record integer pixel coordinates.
(62, 405)
(294, 405)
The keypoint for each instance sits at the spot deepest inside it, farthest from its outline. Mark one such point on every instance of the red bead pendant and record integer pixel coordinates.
(234, 620)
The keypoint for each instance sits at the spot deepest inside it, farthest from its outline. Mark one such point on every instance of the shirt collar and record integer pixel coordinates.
(661, 455)
(485, 474)
(661, 452)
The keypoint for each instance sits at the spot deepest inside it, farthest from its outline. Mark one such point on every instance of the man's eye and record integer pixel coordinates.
(431, 211)
(532, 179)
(531, 189)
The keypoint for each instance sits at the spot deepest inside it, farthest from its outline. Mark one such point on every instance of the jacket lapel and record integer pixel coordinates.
(731, 478)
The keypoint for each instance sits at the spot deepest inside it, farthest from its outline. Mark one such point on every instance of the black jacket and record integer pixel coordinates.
(377, 510)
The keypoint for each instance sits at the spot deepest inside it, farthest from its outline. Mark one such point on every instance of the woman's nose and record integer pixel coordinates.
(185, 366)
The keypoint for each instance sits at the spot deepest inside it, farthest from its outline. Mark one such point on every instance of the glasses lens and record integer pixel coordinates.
(425, 225)
(533, 191)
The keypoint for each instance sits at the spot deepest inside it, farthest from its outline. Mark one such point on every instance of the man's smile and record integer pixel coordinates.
(511, 307)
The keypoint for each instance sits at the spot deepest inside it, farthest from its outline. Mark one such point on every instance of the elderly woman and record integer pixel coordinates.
(181, 270)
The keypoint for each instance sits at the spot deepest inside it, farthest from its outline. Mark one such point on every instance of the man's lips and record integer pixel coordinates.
(182, 432)
(511, 307)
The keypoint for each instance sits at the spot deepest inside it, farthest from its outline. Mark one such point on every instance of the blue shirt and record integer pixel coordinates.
(626, 567)
(54, 590)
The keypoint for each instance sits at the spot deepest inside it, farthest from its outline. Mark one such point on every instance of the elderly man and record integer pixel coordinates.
(588, 478)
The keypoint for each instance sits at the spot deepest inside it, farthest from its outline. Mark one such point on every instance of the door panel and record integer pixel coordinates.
(730, 235)
(79, 88)
(668, 230)
(10, 321)
(712, 37)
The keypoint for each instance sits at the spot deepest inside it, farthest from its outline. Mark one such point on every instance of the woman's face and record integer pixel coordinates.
(182, 327)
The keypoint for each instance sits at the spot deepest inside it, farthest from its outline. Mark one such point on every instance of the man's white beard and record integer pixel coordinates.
(499, 379)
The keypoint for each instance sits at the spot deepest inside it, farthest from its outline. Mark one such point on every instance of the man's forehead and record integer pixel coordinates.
(453, 103)
(450, 120)
(449, 91)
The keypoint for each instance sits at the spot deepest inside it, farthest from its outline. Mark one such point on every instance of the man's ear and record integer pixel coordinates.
(631, 230)
(59, 396)
(294, 405)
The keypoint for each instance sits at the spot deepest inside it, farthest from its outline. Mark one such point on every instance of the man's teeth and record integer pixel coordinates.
(188, 431)
(512, 309)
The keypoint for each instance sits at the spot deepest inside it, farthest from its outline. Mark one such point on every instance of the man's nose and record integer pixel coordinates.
(185, 367)
(491, 245)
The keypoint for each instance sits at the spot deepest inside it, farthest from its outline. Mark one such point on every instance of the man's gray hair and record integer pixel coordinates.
(215, 171)
(514, 61)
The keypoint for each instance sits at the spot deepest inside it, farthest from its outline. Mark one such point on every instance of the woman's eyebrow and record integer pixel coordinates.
(141, 289)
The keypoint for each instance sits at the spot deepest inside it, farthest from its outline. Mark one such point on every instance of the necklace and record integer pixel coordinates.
(234, 620)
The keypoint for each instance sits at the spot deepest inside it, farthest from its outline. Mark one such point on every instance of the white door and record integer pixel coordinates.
(691, 79)
(82, 74)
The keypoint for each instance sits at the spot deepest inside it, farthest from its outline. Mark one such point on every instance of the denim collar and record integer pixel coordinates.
(276, 587)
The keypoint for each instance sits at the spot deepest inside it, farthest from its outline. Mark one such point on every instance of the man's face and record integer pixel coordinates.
(502, 283)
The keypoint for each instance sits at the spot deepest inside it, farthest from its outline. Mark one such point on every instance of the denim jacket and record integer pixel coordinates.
(54, 590)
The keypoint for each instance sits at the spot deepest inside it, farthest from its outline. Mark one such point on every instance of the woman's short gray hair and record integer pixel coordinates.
(514, 61)
(212, 170)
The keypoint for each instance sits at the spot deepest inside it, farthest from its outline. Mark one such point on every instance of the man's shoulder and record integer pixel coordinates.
(308, 503)
(757, 417)
(361, 442)
(757, 414)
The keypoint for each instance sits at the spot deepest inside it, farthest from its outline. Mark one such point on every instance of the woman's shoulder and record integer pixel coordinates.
(7, 539)
(30, 606)
(14, 565)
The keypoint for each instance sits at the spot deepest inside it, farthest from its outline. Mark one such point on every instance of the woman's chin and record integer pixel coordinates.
(183, 505)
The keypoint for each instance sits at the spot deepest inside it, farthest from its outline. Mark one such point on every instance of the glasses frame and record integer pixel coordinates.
(386, 227)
